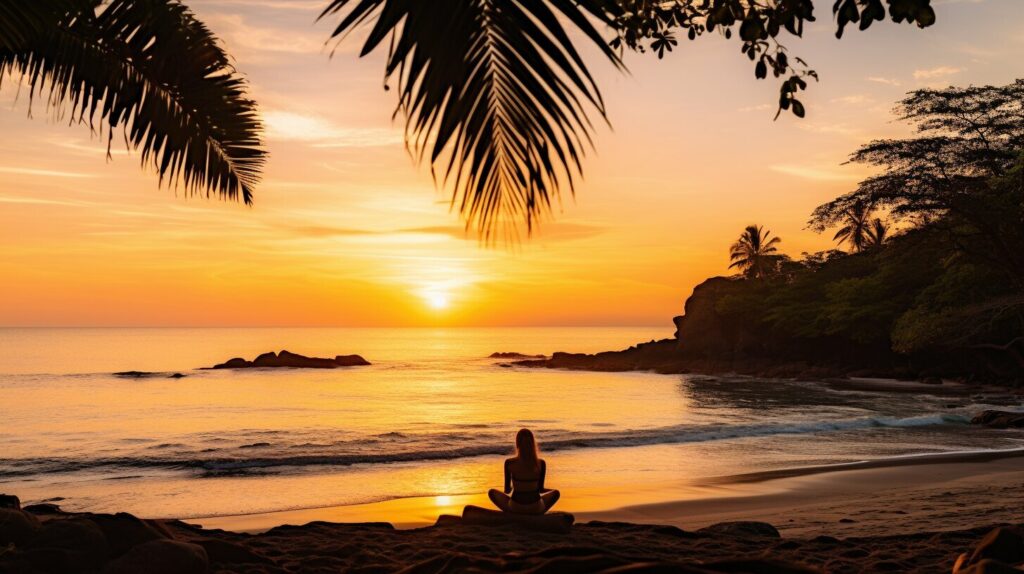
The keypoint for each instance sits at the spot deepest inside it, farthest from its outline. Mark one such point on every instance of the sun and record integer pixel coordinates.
(437, 300)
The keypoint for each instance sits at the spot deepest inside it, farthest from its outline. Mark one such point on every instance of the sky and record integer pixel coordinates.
(348, 230)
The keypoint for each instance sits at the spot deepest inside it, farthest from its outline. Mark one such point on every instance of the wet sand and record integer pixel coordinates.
(906, 494)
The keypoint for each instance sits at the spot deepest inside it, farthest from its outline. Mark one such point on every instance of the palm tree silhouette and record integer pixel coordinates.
(855, 229)
(754, 253)
(877, 233)
(149, 68)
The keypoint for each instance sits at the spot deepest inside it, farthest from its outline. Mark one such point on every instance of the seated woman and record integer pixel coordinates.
(524, 491)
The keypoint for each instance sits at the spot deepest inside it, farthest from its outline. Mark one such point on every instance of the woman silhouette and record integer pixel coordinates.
(524, 491)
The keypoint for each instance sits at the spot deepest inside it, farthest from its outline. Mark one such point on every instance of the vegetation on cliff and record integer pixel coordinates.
(944, 295)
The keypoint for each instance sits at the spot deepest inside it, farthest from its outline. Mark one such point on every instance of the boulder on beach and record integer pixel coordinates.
(292, 360)
(1001, 544)
(161, 557)
(999, 419)
(16, 526)
(742, 529)
(9, 501)
(557, 522)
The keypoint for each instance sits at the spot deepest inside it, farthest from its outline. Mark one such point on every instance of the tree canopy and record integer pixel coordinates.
(960, 172)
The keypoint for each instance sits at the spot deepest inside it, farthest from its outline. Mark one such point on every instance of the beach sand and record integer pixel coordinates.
(915, 514)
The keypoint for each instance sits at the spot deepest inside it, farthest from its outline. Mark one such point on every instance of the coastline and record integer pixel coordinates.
(771, 496)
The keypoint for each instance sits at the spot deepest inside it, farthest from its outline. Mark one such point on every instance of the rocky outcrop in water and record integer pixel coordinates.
(999, 419)
(292, 360)
(513, 355)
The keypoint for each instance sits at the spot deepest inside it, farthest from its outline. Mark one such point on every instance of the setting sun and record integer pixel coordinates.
(437, 300)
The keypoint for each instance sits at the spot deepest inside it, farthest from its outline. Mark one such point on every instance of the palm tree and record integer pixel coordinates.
(855, 226)
(754, 253)
(877, 234)
(148, 68)
(494, 93)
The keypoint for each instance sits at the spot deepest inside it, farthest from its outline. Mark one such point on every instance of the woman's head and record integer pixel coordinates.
(526, 446)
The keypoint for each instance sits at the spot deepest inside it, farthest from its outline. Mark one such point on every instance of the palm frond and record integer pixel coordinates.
(493, 92)
(151, 68)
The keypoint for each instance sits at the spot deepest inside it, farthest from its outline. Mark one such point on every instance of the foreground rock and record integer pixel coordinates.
(293, 360)
(61, 542)
(999, 419)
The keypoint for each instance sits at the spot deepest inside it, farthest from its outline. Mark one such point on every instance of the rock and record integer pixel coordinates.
(1003, 544)
(161, 557)
(17, 526)
(81, 538)
(176, 376)
(236, 363)
(134, 374)
(9, 501)
(988, 566)
(350, 361)
(514, 356)
(293, 360)
(742, 529)
(999, 419)
(556, 522)
(124, 531)
(43, 509)
(846, 521)
(224, 552)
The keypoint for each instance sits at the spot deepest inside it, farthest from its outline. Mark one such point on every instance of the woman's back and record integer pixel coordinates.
(525, 479)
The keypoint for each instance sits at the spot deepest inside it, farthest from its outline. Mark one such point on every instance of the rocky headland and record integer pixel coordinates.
(729, 326)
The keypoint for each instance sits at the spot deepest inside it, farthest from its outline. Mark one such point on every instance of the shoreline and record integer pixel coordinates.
(911, 518)
(703, 501)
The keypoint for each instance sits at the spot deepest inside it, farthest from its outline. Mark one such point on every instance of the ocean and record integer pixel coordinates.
(433, 416)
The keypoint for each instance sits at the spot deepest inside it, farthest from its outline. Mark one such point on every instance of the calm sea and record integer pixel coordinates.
(432, 416)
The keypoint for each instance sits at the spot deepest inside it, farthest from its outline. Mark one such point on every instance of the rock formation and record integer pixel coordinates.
(292, 360)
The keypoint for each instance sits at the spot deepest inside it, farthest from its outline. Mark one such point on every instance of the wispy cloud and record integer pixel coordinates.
(757, 108)
(815, 172)
(936, 73)
(885, 81)
(239, 33)
(42, 172)
(321, 132)
(42, 201)
(853, 100)
(296, 5)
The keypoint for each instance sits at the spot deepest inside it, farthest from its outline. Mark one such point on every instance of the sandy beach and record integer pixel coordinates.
(916, 514)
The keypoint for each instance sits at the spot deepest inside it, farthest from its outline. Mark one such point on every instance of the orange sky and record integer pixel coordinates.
(347, 231)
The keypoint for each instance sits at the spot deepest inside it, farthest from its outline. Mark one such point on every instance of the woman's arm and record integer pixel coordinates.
(508, 478)
(543, 471)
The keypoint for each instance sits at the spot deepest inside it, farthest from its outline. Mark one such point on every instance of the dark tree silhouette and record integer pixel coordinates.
(856, 221)
(754, 253)
(496, 95)
(876, 234)
(960, 173)
(149, 68)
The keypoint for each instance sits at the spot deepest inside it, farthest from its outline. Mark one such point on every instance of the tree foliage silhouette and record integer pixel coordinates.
(755, 253)
(148, 68)
(960, 173)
